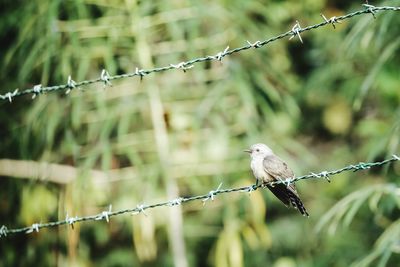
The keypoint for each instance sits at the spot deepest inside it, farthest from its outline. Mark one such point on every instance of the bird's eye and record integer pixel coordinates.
(258, 150)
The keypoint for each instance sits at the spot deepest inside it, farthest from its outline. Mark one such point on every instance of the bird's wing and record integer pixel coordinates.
(278, 169)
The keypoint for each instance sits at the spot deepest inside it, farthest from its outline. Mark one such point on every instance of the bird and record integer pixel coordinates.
(267, 168)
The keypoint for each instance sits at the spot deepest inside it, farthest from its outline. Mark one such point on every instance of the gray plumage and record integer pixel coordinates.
(267, 167)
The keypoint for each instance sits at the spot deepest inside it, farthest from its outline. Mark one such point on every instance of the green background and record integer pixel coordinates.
(321, 105)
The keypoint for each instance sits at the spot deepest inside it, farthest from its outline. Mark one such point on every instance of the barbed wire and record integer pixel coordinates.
(106, 78)
(141, 208)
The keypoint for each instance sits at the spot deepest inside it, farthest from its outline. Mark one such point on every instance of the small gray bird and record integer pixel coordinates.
(267, 167)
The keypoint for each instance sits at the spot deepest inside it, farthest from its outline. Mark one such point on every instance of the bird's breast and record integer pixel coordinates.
(258, 169)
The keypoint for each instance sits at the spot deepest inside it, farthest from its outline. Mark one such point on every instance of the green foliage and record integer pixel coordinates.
(345, 210)
(320, 105)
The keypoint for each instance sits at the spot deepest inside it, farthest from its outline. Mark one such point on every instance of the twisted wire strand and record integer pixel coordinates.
(106, 79)
(106, 215)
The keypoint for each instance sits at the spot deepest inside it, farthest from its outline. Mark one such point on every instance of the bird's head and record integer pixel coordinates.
(261, 150)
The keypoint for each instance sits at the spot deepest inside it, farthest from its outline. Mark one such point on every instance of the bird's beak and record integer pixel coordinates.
(247, 151)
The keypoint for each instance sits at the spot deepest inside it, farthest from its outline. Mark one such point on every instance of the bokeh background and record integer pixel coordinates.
(321, 105)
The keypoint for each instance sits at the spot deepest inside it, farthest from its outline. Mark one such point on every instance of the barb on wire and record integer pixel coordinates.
(370, 9)
(323, 174)
(256, 44)
(140, 73)
(332, 20)
(9, 95)
(139, 209)
(182, 65)
(105, 214)
(212, 194)
(4, 231)
(71, 85)
(250, 188)
(175, 202)
(37, 89)
(296, 31)
(222, 54)
(105, 78)
(34, 227)
(71, 220)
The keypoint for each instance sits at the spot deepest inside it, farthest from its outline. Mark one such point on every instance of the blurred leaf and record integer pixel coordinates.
(350, 204)
(38, 204)
(384, 56)
(383, 248)
(337, 117)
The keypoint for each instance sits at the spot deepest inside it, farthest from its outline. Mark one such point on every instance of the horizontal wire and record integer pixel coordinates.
(106, 215)
(106, 79)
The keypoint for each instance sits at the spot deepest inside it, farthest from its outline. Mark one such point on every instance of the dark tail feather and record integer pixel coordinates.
(297, 204)
(288, 197)
(279, 191)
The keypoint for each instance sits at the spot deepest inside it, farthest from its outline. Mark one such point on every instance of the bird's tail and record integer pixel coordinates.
(289, 197)
(297, 203)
